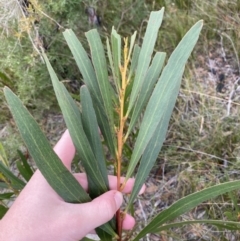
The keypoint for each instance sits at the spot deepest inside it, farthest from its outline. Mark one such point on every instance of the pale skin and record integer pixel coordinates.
(39, 214)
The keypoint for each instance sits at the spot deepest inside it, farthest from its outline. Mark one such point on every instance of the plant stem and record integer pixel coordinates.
(120, 133)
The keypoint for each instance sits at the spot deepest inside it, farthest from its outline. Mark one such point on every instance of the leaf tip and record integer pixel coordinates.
(6, 90)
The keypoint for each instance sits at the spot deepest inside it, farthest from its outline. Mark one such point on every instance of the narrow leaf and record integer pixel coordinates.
(3, 156)
(6, 195)
(147, 161)
(21, 168)
(25, 163)
(13, 180)
(116, 52)
(110, 58)
(100, 66)
(87, 239)
(132, 41)
(91, 130)
(4, 185)
(134, 61)
(103, 235)
(219, 223)
(147, 87)
(185, 204)
(72, 117)
(164, 94)
(150, 155)
(84, 63)
(5, 80)
(73, 121)
(3, 211)
(90, 79)
(149, 40)
(57, 175)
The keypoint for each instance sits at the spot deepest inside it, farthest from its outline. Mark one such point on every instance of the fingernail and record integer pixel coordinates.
(118, 199)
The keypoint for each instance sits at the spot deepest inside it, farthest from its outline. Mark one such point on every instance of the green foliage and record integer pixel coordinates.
(12, 182)
(3, 210)
(103, 96)
(83, 124)
(97, 182)
(10, 179)
(185, 204)
(20, 60)
(38, 149)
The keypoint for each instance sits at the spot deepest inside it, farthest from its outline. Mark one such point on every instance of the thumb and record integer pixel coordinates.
(88, 216)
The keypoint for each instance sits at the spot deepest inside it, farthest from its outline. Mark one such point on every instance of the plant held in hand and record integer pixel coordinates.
(139, 99)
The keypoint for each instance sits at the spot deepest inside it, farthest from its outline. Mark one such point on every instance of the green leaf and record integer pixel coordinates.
(90, 127)
(90, 79)
(147, 87)
(185, 204)
(147, 162)
(87, 239)
(116, 52)
(57, 175)
(25, 163)
(6, 195)
(72, 117)
(144, 60)
(132, 41)
(100, 66)
(134, 60)
(83, 62)
(103, 235)
(4, 185)
(149, 156)
(164, 96)
(13, 180)
(5, 80)
(3, 156)
(3, 211)
(73, 121)
(110, 58)
(21, 168)
(219, 223)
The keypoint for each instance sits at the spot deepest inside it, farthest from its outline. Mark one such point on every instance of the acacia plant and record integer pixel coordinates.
(130, 100)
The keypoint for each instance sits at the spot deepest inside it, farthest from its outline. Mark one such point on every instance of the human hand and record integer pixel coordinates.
(39, 214)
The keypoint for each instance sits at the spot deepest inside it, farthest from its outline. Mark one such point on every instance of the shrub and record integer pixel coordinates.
(139, 99)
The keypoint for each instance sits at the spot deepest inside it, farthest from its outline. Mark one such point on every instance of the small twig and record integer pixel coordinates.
(53, 20)
(201, 125)
(234, 49)
(210, 96)
(124, 12)
(30, 37)
(231, 95)
(199, 152)
(140, 30)
(222, 48)
(144, 217)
